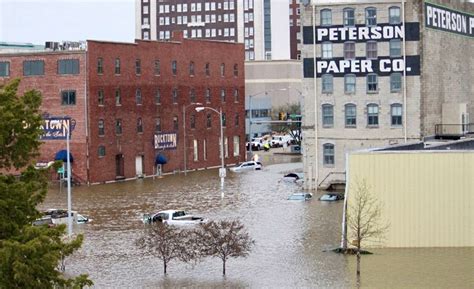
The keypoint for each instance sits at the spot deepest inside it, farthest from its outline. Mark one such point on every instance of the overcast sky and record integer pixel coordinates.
(37, 21)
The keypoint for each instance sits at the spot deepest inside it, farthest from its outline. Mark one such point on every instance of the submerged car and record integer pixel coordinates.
(300, 197)
(247, 166)
(172, 217)
(293, 177)
(331, 197)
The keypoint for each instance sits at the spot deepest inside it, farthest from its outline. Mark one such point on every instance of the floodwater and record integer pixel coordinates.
(292, 237)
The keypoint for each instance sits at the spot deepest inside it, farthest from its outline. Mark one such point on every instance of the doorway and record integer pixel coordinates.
(119, 166)
(139, 166)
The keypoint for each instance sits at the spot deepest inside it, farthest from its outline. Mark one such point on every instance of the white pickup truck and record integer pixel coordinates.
(172, 217)
(281, 140)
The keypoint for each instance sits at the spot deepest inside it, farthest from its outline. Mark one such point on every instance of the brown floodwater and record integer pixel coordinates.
(292, 237)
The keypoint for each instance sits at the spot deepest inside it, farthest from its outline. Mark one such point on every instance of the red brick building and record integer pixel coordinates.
(128, 100)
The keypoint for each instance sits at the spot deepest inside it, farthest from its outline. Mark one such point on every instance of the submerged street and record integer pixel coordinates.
(291, 236)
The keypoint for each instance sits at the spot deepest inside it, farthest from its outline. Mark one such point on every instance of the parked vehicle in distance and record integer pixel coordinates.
(172, 217)
(247, 166)
(258, 143)
(281, 140)
(300, 197)
(331, 197)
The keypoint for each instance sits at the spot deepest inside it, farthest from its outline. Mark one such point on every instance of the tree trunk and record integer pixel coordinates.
(223, 267)
(164, 266)
(358, 265)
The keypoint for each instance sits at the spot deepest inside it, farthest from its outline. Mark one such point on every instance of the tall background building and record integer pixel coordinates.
(259, 24)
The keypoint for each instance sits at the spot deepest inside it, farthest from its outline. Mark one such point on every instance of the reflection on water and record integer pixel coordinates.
(291, 237)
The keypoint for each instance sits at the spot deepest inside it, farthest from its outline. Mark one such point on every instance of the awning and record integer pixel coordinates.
(62, 156)
(160, 160)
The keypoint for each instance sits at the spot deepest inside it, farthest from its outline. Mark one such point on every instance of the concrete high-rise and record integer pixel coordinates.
(259, 24)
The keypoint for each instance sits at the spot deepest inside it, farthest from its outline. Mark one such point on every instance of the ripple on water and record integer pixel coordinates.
(290, 236)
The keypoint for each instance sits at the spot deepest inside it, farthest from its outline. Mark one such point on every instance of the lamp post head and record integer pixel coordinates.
(199, 108)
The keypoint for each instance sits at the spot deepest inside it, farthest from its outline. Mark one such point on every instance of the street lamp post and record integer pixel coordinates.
(69, 198)
(222, 171)
(184, 136)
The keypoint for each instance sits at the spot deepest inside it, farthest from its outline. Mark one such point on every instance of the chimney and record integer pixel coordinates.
(177, 36)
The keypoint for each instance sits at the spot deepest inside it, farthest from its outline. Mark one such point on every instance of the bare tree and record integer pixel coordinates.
(166, 242)
(224, 240)
(364, 219)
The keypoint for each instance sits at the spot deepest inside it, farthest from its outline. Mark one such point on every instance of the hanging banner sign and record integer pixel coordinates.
(449, 20)
(165, 140)
(57, 128)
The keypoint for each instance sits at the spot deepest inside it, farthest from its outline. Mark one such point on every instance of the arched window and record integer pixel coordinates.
(139, 125)
(175, 123)
(394, 15)
(158, 124)
(222, 69)
(371, 49)
(175, 95)
(326, 17)
(350, 113)
(208, 95)
(101, 151)
(207, 69)
(138, 96)
(372, 115)
(396, 114)
(117, 65)
(328, 115)
(236, 95)
(349, 17)
(327, 83)
(349, 50)
(223, 94)
(193, 121)
(372, 82)
(327, 50)
(191, 68)
(328, 154)
(395, 82)
(158, 96)
(371, 16)
(174, 67)
(236, 70)
(349, 83)
(192, 95)
(101, 127)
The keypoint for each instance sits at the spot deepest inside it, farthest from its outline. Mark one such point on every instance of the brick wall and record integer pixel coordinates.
(131, 143)
(50, 85)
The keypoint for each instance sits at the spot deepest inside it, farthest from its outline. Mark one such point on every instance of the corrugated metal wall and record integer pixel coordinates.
(427, 197)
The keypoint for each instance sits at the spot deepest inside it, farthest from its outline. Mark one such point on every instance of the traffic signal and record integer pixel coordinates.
(281, 115)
